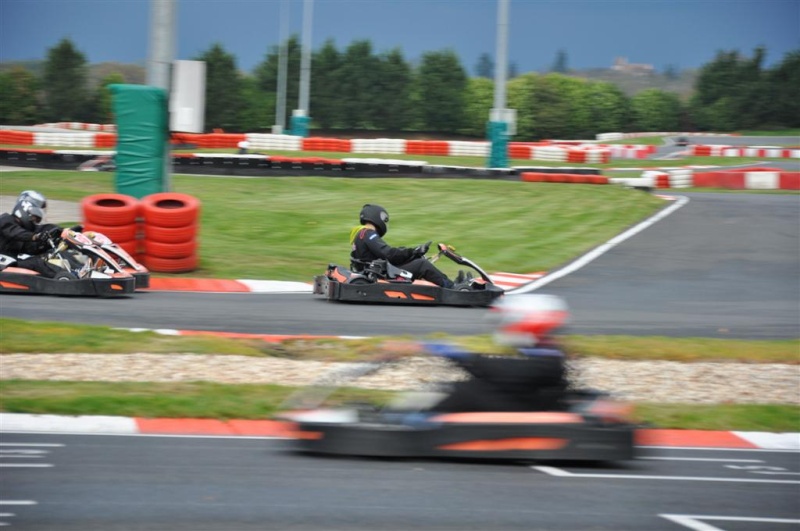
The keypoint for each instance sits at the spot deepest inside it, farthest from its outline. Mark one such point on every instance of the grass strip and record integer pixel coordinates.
(20, 336)
(221, 401)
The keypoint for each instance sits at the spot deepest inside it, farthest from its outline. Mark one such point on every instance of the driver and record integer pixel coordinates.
(367, 245)
(22, 234)
(534, 380)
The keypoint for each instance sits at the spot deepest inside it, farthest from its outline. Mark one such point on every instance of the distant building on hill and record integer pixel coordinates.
(621, 64)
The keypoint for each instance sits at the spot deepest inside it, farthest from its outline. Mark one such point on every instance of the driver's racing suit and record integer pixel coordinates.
(366, 245)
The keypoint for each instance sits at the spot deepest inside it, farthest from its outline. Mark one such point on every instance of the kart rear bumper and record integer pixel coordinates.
(15, 282)
(572, 441)
(404, 293)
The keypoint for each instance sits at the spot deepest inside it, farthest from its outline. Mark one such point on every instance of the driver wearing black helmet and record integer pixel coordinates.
(367, 245)
(22, 234)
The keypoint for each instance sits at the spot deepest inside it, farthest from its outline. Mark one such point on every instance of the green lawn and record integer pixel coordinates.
(291, 228)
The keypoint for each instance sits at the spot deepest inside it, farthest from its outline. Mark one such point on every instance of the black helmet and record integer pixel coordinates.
(28, 214)
(376, 215)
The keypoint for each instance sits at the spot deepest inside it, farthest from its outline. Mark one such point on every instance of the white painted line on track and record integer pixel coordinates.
(47, 445)
(18, 502)
(25, 465)
(713, 449)
(692, 521)
(553, 471)
(705, 459)
(602, 249)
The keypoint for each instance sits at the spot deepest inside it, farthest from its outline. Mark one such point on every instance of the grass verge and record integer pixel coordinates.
(219, 401)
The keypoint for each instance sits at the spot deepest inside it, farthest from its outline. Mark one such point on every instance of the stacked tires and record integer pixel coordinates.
(116, 216)
(170, 232)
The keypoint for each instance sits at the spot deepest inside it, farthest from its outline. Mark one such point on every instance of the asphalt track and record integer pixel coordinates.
(107, 483)
(723, 265)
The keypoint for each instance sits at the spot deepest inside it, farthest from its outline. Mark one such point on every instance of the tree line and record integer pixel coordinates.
(358, 88)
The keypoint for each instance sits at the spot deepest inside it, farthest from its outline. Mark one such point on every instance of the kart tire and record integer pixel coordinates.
(115, 233)
(65, 275)
(170, 209)
(170, 250)
(170, 265)
(110, 209)
(170, 234)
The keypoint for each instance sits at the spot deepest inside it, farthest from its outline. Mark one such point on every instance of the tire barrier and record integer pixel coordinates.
(170, 232)
(116, 216)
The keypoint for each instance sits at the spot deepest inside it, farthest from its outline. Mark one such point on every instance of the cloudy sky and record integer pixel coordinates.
(683, 33)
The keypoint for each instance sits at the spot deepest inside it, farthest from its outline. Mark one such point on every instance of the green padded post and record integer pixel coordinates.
(498, 136)
(142, 120)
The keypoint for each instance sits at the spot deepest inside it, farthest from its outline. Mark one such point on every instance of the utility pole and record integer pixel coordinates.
(283, 61)
(159, 63)
(498, 129)
(300, 116)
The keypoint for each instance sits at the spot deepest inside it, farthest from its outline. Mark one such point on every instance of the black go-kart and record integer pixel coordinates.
(586, 425)
(85, 270)
(381, 282)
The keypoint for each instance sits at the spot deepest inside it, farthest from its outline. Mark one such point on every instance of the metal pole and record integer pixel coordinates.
(305, 60)
(300, 118)
(501, 65)
(159, 65)
(283, 61)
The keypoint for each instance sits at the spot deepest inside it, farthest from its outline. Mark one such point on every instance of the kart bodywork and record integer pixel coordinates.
(98, 276)
(381, 282)
(592, 428)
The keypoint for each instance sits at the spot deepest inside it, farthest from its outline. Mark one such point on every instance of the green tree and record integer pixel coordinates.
(784, 91)
(102, 101)
(607, 109)
(326, 95)
(442, 83)
(730, 92)
(19, 104)
(656, 110)
(485, 66)
(478, 101)
(266, 74)
(258, 111)
(65, 83)
(358, 78)
(224, 100)
(391, 105)
(520, 94)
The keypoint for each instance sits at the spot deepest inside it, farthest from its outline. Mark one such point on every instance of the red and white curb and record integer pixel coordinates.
(211, 285)
(109, 425)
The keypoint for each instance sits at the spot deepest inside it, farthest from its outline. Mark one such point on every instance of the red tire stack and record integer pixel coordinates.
(116, 216)
(170, 232)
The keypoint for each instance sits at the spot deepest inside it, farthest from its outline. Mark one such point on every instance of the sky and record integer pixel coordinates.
(676, 33)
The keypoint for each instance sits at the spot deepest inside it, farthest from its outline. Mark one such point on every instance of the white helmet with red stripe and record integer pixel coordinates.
(525, 320)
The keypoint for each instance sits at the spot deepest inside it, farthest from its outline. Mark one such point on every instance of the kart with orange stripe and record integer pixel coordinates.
(381, 282)
(586, 425)
(94, 274)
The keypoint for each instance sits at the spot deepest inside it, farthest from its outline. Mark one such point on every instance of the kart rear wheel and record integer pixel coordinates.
(65, 275)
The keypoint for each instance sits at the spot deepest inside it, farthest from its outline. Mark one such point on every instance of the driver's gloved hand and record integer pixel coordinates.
(421, 250)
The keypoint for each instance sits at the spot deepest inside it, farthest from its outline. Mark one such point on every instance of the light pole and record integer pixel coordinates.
(300, 116)
(283, 60)
(498, 129)
(159, 64)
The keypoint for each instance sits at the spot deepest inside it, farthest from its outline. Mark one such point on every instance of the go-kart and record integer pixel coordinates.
(381, 282)
(95, 274)
(586, 425)
(126, 263)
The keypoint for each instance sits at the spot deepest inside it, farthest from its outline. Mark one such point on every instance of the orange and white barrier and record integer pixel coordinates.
(716, 150)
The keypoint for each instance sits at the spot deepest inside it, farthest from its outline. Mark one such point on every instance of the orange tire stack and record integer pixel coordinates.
(170, 232)
(116, 216)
